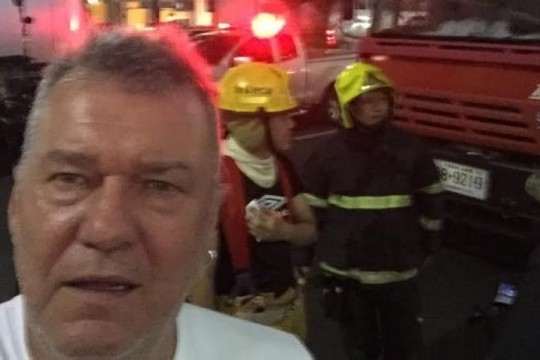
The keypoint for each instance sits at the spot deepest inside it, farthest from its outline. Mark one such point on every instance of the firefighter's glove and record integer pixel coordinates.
(267, 225)
(243, 284)
(334, 294)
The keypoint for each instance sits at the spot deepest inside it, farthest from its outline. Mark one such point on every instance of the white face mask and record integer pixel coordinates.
(262, 172)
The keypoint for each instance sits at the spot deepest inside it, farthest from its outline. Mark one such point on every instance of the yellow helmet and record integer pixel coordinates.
(355, 80)
(252, 87)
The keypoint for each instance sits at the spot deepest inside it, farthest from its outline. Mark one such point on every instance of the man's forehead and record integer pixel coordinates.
(73, 87)
(107, 102)
(82, 111)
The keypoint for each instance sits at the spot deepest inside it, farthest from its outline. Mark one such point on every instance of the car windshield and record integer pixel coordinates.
(494, 20)
(214, 46)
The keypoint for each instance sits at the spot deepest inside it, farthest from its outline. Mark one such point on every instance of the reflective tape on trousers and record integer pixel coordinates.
(372, 277)
(370, 202)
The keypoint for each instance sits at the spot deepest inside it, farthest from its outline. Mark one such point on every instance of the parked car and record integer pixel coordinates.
(312, 71)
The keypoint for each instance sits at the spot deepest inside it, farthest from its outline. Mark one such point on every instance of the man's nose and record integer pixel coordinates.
(109, 224)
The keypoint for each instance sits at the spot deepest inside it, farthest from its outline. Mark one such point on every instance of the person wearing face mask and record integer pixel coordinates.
(376, 193)
(264, 215)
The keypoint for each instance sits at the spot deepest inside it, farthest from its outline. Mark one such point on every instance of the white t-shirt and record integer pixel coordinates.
(203, 335)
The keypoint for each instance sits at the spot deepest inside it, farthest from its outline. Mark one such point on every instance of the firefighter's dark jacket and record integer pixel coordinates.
(377, 196)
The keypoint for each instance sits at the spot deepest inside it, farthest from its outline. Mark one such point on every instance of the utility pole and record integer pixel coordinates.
(25, 21)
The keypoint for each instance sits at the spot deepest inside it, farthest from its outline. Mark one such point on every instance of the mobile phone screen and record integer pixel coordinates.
(272, 202)
(506, 294)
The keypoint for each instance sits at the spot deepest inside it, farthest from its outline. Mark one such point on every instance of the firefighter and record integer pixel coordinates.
(264, 214)
(376, 192)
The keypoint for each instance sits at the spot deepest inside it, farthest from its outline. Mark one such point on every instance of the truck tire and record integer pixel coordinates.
(330, 107)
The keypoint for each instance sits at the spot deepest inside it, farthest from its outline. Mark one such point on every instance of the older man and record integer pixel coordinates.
(113, 209)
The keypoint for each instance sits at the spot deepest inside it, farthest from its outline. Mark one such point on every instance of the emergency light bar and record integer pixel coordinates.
(266, 25)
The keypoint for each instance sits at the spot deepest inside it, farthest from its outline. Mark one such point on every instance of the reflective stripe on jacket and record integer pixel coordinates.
(378, 205)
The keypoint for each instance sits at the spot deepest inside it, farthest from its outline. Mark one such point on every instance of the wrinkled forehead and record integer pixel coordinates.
(107, 114)
(73, 96)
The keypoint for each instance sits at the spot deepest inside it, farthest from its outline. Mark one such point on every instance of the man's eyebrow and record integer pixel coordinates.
(161, 166)
(79, 159)
(70, 157)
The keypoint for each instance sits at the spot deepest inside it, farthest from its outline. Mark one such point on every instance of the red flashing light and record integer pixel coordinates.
(266, 25)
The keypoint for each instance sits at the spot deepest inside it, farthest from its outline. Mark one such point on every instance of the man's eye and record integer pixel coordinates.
(69, 179)
(161, 186)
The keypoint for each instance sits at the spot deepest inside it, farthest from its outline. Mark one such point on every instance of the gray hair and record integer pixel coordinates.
(145, 63)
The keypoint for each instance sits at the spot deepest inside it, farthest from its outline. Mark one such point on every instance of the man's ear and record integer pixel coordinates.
(209, 253)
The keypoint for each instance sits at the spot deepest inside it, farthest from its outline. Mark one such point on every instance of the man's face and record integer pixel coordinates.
(111, 214)
(281, 132)
(371, 108)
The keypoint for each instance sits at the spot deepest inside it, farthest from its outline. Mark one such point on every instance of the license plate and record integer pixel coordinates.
(463, 179)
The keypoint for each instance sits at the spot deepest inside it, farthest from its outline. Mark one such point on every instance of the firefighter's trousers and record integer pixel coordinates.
(382, 320)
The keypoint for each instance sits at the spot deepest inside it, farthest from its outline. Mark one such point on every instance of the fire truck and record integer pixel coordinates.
(467, 75)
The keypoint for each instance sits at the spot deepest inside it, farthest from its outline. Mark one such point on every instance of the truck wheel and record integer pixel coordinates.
(331, 108)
